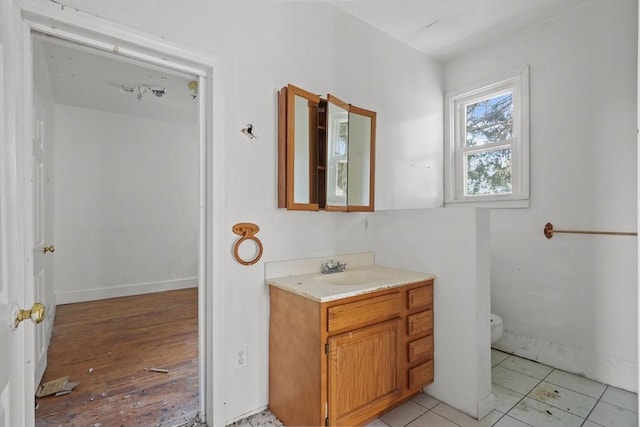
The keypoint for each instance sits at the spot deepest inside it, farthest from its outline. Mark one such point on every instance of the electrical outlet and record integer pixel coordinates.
(241, 357)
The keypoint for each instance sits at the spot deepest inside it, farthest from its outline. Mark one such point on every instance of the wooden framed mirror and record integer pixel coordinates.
(362, 152)
(298, 125)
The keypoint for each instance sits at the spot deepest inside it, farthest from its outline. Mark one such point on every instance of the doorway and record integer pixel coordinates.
(90, 31)
(125, 138)
(129, 361)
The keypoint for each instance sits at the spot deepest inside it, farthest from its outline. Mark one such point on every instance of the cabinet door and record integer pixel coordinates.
(364, 374)
(298, 149)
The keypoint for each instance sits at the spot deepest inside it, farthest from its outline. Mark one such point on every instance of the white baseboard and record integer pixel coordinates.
(601, 367)
(486, 405)
(69, 297)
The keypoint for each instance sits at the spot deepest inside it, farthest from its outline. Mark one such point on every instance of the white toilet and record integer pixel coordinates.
(496, 328)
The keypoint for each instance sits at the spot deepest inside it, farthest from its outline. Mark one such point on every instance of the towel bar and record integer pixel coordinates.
(548, 232)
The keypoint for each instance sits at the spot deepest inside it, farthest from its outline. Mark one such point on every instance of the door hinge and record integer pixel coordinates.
(326, 348)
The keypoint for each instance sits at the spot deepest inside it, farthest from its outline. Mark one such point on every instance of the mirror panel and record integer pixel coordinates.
(362, 124)
(301, 150)
(301, 181)
(337, 153)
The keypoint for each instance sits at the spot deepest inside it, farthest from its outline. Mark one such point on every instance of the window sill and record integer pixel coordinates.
(493, 204)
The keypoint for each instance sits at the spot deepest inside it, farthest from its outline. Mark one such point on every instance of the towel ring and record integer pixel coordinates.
(247, 230)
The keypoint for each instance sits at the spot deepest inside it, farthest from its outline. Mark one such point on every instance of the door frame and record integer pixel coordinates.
(76, 26)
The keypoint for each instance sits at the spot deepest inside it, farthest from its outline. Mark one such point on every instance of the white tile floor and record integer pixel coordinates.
(527, 394)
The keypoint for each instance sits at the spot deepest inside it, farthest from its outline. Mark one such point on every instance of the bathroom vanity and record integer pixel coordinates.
(345, 347)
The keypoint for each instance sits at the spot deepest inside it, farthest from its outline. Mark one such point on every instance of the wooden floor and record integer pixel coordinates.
(106, 346)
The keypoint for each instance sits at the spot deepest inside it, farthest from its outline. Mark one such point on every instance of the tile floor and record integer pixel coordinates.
(530, 394)
(527, 394)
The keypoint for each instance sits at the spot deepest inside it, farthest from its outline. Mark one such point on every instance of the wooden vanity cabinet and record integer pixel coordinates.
(345, 362)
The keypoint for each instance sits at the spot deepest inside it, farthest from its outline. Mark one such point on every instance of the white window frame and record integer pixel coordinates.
(455, 144)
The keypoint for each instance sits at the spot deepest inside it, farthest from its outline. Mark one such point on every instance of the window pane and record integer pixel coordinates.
(490, 120)
(489, 172)
(341, 178)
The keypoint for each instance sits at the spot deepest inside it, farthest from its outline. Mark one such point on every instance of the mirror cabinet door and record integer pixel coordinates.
(302, 149)
(361, 153)
(337, 153)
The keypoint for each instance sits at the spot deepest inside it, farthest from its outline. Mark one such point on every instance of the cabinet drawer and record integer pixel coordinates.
(363, 311)
(421, 348)
(421, 375)
(420, 322)
(420, 297)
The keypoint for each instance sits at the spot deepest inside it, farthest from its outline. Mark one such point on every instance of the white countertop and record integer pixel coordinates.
(356, 281)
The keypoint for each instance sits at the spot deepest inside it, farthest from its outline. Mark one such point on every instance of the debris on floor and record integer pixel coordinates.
(160, 370)
(264, 418)
(58, 387)
(193, 422)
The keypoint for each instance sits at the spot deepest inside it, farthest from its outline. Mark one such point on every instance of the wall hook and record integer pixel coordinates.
(249, 131)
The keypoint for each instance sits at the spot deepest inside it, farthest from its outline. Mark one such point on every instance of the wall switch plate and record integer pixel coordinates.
(240, 357)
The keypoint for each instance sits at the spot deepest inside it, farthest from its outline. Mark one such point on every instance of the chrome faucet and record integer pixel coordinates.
(332, 266)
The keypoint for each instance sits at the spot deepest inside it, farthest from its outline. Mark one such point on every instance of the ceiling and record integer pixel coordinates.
(441, 29)
(89, 78)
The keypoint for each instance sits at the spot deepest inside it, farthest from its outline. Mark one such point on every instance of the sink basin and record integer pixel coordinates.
(358, 277)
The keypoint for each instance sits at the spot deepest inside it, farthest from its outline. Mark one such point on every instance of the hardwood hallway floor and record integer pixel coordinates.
(108, 345)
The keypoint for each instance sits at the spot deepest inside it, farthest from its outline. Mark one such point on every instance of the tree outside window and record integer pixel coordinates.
(491, 120)
(487, 144)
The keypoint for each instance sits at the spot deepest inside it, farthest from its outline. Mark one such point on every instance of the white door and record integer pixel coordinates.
(16, 392)
(43, 248)
(5, 337)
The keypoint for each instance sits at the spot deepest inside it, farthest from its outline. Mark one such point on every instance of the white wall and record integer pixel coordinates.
(571, 302)
(454, 245)
(315, 46)
(126, 205)
(405, 89)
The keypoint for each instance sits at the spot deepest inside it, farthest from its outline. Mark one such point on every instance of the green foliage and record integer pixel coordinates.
(489, 121)
(489, 172)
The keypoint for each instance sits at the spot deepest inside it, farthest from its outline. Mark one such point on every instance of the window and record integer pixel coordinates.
(487, 144)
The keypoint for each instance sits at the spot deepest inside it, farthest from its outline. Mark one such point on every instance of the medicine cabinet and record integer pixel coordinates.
(326, 153)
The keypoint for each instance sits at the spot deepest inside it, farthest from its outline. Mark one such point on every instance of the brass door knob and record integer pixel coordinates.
(50, 248)
(36, 314)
